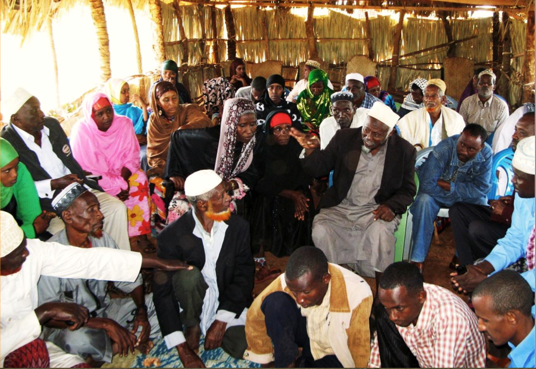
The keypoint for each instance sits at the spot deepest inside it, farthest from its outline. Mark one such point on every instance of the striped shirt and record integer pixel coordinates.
(446, 334)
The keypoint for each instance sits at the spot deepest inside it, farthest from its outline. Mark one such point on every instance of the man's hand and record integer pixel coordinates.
(61, 183)
(308, 141)
(166, 265)
(42, 221)
(384, 212)
(444, 185)
(497, 206)
(467, 282)
(123, 195)
(188, 357)
(215, 334)
(123, 340)
(73, 315)
(178, 182)
(142, 321)
(301, 205)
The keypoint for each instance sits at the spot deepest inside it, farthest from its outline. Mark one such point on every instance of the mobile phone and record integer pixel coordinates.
(94, 177)
(461, 269)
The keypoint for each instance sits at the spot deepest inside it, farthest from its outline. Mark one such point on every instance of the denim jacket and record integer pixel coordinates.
(473, 179)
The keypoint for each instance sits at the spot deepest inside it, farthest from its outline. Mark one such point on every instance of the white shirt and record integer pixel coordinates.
(47, 159)
(329, 126)
(437, 130)
(212, 243)
(19, 324)
(299, 87)
(503, 134)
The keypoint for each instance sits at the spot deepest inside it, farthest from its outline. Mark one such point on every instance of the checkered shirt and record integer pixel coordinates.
(446, 334)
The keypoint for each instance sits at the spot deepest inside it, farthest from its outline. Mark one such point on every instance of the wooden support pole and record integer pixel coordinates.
(99, 19)
(54, 59)
(506, 57)
(367, 35)
(182, 33)
(451, 52)
(156, 17)
(136, 36)
(215, 46)
(528, 65)
(497, 43)
(201, 11)
(310, 32)
(265, 36)
(231, 33)
(396, 50)
(431, 48)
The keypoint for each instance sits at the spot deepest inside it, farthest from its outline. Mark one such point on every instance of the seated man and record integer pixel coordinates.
(108, 330)
(458, 169)
(373, 184)
(214, 297)
(255, 92)
(518, 241)
(320, 307)
(44, 148)
(273, 99)
(484, 108)
(413, 100)
(423, 325)
(432, 123)
(301, 85)
(355, 83)
(477, 228)
(503, 303)
(344, 116)
(23, 261)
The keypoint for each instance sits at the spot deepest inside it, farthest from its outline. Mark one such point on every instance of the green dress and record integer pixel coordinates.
(314, 109)
(21, 199)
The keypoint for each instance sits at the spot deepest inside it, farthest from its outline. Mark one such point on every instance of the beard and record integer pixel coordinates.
(218, 217)
(365, 149)
(433, 109)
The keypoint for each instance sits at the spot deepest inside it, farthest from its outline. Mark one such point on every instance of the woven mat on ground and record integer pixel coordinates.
(170, 358)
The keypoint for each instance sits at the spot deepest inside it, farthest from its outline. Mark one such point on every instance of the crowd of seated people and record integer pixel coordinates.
(239, 178)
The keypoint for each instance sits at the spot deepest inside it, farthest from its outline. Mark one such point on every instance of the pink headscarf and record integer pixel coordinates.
(105, 153)
(233, 109)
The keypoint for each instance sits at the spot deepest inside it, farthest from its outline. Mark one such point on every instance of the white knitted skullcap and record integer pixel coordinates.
(524, 156)
(384, 114)
(355, 77)
(201, 182)
(14, 102)
(12, 234)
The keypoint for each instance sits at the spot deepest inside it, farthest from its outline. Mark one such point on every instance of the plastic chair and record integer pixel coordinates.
(502, 163)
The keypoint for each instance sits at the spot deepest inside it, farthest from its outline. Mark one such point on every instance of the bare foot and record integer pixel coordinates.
(188, 357)
(193, 334)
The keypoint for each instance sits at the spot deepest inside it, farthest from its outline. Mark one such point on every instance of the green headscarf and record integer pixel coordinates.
(7, 155)
(314, 109)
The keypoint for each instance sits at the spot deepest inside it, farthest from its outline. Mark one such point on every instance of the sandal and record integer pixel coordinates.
(263, 273)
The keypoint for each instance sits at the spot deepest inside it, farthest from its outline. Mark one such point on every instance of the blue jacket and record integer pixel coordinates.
(472, 183)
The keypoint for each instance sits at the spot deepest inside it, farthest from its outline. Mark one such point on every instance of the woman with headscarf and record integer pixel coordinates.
(283, 208)
(104, 143)
(119, 93)
(169, 71)
(413, 100)
(168, 116)
(237, 74)
(227, 148)
(18, 193)
(314, 103)
(374, 87)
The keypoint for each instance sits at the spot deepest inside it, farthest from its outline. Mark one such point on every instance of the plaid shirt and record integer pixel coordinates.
(446, 334)
(368, 101)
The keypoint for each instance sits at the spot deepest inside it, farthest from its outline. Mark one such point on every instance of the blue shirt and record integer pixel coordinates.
(135, 114)
(369, 100)
(513, 245)
(470, 182)
(522, 356)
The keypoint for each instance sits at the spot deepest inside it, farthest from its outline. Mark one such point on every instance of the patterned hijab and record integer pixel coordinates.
(409, 103)
(233, 109)
(314, 109)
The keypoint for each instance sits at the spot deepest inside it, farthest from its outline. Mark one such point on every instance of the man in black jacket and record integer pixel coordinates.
(44, 148)
(215, 295)
(373, 184)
